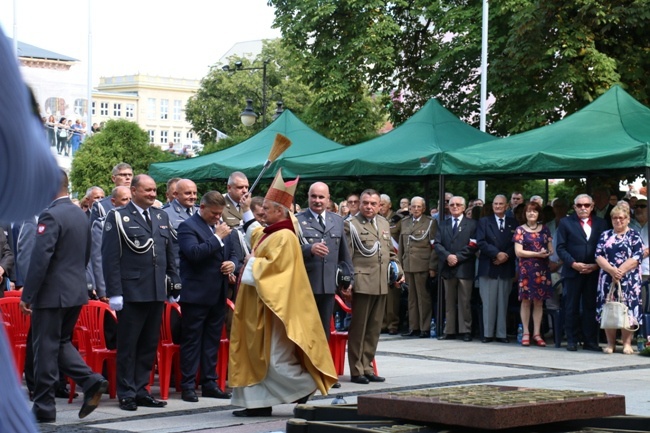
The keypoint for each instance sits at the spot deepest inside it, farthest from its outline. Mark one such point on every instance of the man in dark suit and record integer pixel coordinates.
(205, 264)
(496, 268)
(324, 246)
(237, 187)
(456, 247)
(137, 256)
(54, 291)
(602, 207)
(577, 237)
(121, 175)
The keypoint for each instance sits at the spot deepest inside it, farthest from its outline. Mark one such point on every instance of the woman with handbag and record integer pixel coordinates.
(619, 253)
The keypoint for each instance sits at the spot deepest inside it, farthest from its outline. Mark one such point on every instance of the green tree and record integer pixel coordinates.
(222, 95)
(118, 141)
(546, 59)
(339, 47)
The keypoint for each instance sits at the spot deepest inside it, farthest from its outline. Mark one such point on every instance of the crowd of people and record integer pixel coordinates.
(66, 136)
(141, 254)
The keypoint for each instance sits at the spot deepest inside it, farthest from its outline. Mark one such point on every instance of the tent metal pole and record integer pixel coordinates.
(647, 209)
(440, 312)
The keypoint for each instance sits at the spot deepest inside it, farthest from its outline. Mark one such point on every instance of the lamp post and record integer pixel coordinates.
(249, 116)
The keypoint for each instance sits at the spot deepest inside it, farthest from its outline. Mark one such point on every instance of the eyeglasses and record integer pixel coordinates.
(353, 201)
(640, 206)
(587, 205)
(455, 204)
(619, 218)
(124, 174)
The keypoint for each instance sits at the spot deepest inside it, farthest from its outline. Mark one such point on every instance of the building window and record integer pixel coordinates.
(93, 107)
(117, 110)
(189, 135)
(177, 136)
(130, 111)
(164, 109)
(152, 135)
(151, 108)
(163, 137)
(177, 109)
(80, 107)
(55, 106)
(103, 109)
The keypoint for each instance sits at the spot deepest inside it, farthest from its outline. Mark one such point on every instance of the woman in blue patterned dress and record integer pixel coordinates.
(619, 253)
(533, 246)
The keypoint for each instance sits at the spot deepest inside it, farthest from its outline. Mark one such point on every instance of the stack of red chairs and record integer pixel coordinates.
(91, 326)
(224, 353)
(339, 340)
(169, 353)
(17, 330)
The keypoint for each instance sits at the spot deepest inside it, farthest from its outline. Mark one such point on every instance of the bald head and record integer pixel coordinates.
(120, 196)
(186, 193)
(319, 197)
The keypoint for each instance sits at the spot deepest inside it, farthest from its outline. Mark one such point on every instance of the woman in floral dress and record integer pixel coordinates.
(533, 246)
(619, 253)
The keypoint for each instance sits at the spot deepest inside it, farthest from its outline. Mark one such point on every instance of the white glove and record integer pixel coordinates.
(116, 302)
(174, 300)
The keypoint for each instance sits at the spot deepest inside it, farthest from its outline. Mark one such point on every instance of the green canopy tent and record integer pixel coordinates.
(409, 152)
(248, 156)
(610, 135)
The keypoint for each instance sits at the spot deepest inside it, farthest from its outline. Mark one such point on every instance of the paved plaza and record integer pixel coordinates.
(407, 363)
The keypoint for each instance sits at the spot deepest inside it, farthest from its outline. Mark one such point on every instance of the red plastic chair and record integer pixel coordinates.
(224, 353)
(339, 340)
(91, 319)
(17, 331)
(169, 353)
(13, 293)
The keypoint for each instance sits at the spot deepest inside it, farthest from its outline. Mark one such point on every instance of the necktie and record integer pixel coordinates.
(501, 224)
(146, 217)
(454, 229)
(321, 222)
(189, 211)
(586, 227)
(374, 224)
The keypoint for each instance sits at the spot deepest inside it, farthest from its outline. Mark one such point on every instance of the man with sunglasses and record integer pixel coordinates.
(577, 237)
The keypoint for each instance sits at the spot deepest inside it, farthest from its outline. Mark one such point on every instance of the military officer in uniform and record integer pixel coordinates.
(371, 249)
(237, 187)
(181, 208)
(324, 245)
(137, 256)
(54, 291)
(121, 175)
(416, 239)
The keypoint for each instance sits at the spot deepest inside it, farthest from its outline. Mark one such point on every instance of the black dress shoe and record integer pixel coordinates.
(303, 400)
(447, 337)
(424, 334)
(467, 337)
(189, 395)
(149, 401)
(571, 347)
(413, 333)
(258, 411)
(336, 385)
(92, 397)
(128, 404)
(487, 340)
(372, 378)
(216, 393)
(592, 347)
(503, 340)
(44, 419)
(363, 380)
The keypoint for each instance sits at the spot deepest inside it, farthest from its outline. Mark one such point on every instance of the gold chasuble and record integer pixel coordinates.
(282, 291)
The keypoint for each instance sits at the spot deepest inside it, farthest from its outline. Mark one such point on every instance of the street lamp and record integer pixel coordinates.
(248, 116)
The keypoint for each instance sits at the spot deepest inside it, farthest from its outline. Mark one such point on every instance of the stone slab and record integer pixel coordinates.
(491, 406)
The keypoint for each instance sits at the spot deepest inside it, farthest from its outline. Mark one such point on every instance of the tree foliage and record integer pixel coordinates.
(546, 58)
(222, 95)
(118, 141)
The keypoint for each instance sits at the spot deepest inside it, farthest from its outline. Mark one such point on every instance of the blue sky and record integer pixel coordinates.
(145, 36)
